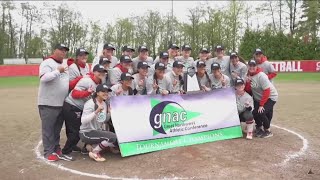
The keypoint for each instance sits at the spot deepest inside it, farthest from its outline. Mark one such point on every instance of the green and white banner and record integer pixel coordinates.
(154, 122)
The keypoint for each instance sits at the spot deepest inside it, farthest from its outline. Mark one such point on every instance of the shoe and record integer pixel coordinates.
(249, 135)
(114, 150)
(96, 156)
(267, 134)
(76, 149)
(52, 158)
(86, 149)
(62, 156)
(259, 133)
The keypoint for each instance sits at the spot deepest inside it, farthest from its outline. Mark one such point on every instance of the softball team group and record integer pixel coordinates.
(78, 95)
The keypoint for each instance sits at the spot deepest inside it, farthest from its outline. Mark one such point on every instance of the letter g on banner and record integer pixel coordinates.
(156, 116)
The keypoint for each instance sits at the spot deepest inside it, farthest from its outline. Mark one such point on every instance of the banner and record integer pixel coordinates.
(155, 122)
(296, 66)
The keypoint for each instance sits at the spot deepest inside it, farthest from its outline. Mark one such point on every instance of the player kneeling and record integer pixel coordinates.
(95, 114)
(245, 107)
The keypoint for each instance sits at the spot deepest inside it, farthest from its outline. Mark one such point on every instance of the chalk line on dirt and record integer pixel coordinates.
(302, 150)
(289, 157)
(61, 167)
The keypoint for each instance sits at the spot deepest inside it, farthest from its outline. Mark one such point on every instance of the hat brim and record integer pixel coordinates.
(219, 48)
(252, 64)
(204, 51)
(144, 66)
(143, 50)
(258, 52)
(127, 61)
(83, 53)
(164, 57)
(161, 68)
(61, 48)
(239, 83)
(201, 65)
(127, 78)
(232, 56)
(186, 49)
(105, 90)
(179, 66)
(215, 68)
(174, 47)
(105, 62)
(101, 71)
(110, 48)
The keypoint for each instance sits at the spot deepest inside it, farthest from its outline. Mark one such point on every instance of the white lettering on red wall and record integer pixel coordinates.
(296, 66)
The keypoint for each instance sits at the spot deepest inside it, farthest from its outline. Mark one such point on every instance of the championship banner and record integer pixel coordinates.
(296, 66)
(155, 122)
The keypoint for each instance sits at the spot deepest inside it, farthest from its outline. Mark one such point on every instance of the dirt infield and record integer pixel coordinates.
(298, 110)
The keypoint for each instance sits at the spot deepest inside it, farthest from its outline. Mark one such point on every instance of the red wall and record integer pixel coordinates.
(280, 66)
(19, 70)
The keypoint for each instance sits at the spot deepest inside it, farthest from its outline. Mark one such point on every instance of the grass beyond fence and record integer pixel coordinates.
(7, 82)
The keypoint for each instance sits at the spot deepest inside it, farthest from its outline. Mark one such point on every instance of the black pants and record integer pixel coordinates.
(97, 136)
(263, 119)
(72, 116)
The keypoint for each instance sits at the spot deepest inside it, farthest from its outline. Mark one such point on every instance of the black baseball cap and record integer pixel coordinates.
(186, 47)
(61, 46)
(105, 61)
(143, 65)
(239, 81)
(252, 62)
(215, 65)
(219, 47)
(126, 48)
(164, 55)
(258, 51)
(109, 46)
(81, 51)
(204, 50)
(99, 68)
(160, 66)
(201, 63)
(125, 59)
(233, 54)
(178, 64)
(126, 76)
(103, 88)
(174, 46)
(143, 48)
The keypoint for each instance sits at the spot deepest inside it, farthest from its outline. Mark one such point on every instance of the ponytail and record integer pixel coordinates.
(155, 78)
(94, 96)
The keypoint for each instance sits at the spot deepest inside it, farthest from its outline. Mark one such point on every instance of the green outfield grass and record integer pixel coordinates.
(301, 77)
(6, 82)
(19, 81)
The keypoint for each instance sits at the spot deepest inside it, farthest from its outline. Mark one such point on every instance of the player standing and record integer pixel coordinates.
(223, 60)
(265, 97)
(53, 89)
(108, 50)
(142, 57)
(264, 64)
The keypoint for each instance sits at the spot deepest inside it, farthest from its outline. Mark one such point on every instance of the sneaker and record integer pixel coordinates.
(96, 156)
(76, 149)
(86, 149)
(62, 156)
(259, 133)
(249, 135)
(267, 134)
(52, 157)
(114, 150)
